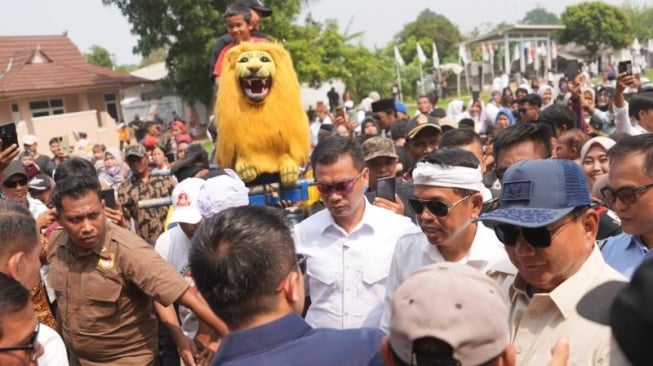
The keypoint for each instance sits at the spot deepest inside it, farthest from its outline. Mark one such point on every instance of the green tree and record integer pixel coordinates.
(189, 29)
(641, 18)
(427, 28)
(99, 56)
(540, 15)
(157, 55)
(596, 25)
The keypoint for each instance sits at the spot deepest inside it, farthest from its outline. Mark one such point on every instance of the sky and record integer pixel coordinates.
(88, 22)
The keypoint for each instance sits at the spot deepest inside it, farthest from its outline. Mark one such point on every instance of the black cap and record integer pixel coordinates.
(14, 167)
(256, 5)
(383, 105)
(420, 122)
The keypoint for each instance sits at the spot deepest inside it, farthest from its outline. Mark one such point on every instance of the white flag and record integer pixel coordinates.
(490, 49)
(486, 54)
(398, 59)
(650, 45)
(436, 57)
(554, 51)
(420, 54)
(462, 54)
(516, 55)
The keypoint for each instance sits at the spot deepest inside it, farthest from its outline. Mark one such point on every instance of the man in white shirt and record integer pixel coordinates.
(548, 228)
(640, 107)
(447, 201)
(174, 244)
(349, 245)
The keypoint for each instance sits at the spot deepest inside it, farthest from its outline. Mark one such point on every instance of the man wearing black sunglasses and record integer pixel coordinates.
(19, 259)
(549, 230)
(447, 201)
(15, 188)
(244, 263)
(628, 191)
(19, 328)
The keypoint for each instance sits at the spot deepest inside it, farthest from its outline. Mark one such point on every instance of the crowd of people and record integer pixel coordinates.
(510, 232)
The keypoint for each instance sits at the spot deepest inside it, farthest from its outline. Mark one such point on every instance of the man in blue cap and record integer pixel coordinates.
(548, 229)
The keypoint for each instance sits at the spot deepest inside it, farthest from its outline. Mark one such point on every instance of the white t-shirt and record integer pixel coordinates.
(54, 350)
(173, 245)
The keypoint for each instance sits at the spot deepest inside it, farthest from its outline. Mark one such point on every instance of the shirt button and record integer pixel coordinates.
(533, 314)
(518, 349)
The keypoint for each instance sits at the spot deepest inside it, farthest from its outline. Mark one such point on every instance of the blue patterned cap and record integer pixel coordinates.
(536, 193)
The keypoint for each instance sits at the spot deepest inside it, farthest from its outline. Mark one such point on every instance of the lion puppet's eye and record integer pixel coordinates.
(265, 59)
(243, 60)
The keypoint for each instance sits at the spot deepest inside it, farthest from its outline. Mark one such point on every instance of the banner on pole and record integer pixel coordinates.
(420, 54)
(398, 59)
(436, 57)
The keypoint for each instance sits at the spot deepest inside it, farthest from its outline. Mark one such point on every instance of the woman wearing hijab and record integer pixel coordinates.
(114, 169)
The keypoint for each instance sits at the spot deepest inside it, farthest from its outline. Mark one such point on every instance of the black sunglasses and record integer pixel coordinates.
(15, 183)
(436, 207)
(627, 195)
(29, 346)
(539, 237)
(344, 186)
(300, 263)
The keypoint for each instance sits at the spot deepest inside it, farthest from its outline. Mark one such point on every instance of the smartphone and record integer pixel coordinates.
(572, 69)
(8, 135)
(386, 187)
(109, 197)
(475, 95)
(64, 144)
(625, 66)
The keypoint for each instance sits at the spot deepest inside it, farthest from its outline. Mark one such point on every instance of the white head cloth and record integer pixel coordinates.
(449, 176)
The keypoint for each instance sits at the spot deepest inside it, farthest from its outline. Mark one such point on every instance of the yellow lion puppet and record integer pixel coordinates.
(262, 127)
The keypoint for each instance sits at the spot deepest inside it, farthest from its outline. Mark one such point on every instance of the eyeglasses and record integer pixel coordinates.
(15, 183)
(344, 186)
(539, 237)
(436, 207)
(627, 195)
(500, 172)
(30, 346)
(299, 263)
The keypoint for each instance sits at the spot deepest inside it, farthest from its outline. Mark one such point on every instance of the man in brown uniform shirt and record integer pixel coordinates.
(105, 279)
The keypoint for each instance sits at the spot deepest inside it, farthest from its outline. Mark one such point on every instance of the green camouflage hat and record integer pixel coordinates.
(379, 146)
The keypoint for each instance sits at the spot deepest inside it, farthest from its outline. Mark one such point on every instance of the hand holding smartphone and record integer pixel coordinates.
(386, 188)
(109, 197)
(625, 66)
(8, 135)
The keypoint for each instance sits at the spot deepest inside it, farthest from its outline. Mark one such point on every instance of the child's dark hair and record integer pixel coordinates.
(239, 9)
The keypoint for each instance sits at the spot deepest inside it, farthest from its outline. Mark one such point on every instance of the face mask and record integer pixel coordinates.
(114, 170)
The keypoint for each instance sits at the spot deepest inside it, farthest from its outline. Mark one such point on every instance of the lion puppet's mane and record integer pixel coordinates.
(261, 134)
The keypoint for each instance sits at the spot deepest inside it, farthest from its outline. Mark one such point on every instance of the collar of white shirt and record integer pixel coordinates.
(370, 217)
(485, 249)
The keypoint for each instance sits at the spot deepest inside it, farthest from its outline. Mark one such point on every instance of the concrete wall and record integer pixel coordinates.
(101, 128)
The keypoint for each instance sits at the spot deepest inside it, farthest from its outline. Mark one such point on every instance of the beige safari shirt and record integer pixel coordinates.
(105, 307)
(536, 323)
